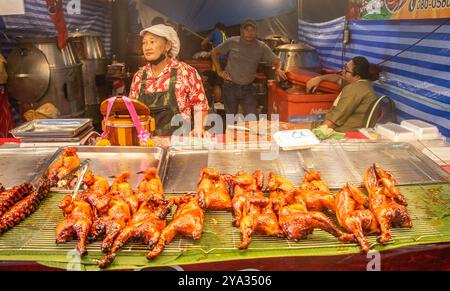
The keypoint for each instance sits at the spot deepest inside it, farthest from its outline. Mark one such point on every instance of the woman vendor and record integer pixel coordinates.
(348, 111)
(168, 86)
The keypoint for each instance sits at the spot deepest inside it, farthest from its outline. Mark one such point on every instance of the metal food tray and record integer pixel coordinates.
(21, 165)
(110, 161)
(183, 167)
(338, 164)
(51, 128)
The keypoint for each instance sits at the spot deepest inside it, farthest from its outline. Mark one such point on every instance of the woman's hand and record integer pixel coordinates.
(201, 133)
(311, 85)
(224, 75)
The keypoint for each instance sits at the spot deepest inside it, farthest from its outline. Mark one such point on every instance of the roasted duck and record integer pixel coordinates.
(150, 188)
(9, 197)
(67, 162)
(146, 225)
(385, 201)
(213, 187)
(187, 221)
(24, 207)
(122, 189)
(77, 223)
(315, 192)
(353, 215)
(244, 186)
(293, 215)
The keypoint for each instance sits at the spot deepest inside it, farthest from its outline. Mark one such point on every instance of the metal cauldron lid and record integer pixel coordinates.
(277, 37)
(28, 73)
(295, 47)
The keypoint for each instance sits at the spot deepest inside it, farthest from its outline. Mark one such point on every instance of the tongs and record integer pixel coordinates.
(73, 174)
(84, 169)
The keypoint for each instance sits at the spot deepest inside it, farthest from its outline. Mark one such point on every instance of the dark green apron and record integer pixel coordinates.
(163, 105)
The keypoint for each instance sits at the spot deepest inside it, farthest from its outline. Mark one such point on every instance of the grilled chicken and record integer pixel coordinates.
(76, 224)
(187, 221)
(258, 217)
(146, 226)
(121, 188)
(293, 215)
(353, 215)
(315, 193)
(97, 193)
(67, 162)
(112, 224)
(244, 186)
(150, 188)
(213, 187)
(390, 210)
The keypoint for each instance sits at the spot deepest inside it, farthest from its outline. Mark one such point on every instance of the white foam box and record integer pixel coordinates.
(295, 139)
(421, 129)
(395, 132)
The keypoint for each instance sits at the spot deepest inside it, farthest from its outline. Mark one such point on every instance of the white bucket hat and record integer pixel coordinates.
(168, 33)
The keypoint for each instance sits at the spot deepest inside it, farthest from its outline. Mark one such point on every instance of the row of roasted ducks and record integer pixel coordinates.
(117, 214)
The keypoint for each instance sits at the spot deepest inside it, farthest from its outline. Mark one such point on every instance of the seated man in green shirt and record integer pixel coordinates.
(349, 108)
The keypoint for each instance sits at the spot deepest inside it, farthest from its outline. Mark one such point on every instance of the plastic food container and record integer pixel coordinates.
(295, 139)
(395, 132)
(421, 129)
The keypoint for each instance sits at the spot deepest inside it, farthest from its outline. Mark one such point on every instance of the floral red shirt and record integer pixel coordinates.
(188, 88)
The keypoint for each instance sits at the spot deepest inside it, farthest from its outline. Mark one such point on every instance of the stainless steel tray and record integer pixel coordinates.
(338, 164)
(183, 166)
(109, 162)
(20, 165)
(344, 162)
(51, 128)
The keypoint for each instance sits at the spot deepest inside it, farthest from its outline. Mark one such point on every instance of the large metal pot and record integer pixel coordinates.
(276, 40)
(39, 72)
(89, 49)
(298, 55)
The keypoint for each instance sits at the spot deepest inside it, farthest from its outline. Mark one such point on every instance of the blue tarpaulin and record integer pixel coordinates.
(200, 15)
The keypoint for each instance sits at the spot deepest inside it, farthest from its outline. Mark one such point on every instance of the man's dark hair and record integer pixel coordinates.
(361, 67)
(220, 26)
(158, 20)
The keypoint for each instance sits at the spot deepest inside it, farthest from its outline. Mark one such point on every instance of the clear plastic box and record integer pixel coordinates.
(395, 132)
(295, 139)
(421, 129)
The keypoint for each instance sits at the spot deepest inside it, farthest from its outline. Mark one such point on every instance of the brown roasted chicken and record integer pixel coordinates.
(97, 193)
(77, 223)
(315, 193)
(353, 215)
(110, 225)
(67, 162)
(293, 215)
(146, 225)
(122, 189)
(244, 186)
(150, 188)
(213, 187)
(187, 221)
(385, 201)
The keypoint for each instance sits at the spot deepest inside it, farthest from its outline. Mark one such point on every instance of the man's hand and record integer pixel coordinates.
(311, 85)
(280, 74)
(224, 75)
